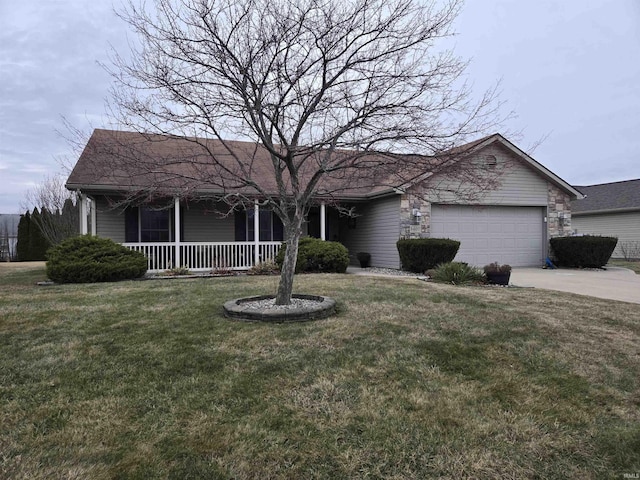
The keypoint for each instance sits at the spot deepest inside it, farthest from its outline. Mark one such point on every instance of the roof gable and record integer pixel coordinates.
(530, 162)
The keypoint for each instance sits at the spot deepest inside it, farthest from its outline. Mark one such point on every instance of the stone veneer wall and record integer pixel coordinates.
(410, 226)
(558, 212)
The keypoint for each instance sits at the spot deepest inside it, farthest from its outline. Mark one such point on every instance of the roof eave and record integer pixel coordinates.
(605, 210)
(203, 192)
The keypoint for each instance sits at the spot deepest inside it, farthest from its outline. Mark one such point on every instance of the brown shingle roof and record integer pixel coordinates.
(608, 196)
(137, 161)
(132, 161)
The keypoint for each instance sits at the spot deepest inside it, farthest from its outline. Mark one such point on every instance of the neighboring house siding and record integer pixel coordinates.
(625, 226)
(376, 231)
(109, 221)
(203, 224)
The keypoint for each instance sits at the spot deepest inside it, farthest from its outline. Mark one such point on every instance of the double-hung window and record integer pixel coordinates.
(269, 224)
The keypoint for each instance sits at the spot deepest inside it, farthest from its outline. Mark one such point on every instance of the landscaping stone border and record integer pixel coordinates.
(235, 309)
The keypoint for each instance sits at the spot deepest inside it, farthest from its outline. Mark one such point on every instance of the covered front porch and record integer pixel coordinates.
(206, 256)
(187, 235)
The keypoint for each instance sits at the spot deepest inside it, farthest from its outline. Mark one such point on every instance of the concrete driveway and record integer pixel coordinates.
(613, 283)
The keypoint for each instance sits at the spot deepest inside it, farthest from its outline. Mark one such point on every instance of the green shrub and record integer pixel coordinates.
(420, 254)
(586, 251)
(457, 273)
(315, 255)
(88, 259)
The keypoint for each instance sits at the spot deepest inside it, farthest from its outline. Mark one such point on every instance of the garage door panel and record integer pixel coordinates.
(511, 235)
(468, 228)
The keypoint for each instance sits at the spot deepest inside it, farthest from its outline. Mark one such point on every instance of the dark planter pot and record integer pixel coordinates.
(499, 278)
(364, 259)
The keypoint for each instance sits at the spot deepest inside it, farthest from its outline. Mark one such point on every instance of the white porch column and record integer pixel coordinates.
(83, 215)
(94, 217)
(256, 232)
(323, 222)
(176, 213)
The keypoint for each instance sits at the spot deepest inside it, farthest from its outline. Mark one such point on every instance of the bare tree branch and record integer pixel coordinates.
(339, 94)
(59, 218)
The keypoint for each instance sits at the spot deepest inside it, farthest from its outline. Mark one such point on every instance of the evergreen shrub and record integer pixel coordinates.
(24, 227)
(315, 255)
(590, 251)
(38, 244)
(88, 259)
(420, 254)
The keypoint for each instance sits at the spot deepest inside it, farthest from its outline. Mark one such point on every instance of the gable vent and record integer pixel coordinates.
(491, 160)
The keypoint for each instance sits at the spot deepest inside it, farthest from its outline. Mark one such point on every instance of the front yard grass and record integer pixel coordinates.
(409, 380)
(631, 265)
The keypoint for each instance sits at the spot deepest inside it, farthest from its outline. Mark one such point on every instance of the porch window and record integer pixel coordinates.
(270, 225)
(155, 225)
(145, 224)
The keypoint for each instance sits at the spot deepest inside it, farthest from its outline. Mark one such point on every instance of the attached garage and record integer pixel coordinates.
(512, 235)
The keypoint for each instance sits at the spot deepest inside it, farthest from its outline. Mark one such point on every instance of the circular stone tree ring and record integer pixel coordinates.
(303, 308)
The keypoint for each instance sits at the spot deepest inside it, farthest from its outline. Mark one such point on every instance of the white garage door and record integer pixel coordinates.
(512, 235)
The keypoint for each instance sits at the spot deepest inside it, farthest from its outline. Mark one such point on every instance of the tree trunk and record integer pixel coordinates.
(293, 232)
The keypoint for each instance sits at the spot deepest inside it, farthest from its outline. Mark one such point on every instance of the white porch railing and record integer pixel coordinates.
(201, 256)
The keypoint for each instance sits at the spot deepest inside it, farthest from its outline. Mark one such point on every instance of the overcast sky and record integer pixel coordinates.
(570, 70)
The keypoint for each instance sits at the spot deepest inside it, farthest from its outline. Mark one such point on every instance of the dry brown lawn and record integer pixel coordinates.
(409, 380)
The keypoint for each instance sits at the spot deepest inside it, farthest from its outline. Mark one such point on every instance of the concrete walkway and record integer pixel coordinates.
(614, 283)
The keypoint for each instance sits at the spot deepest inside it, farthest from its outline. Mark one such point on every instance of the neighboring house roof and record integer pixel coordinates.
(115, 160)
(608, 197)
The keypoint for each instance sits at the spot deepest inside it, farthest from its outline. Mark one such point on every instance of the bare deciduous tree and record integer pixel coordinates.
(340, 94)
(8, 237)
(60, 214)
(629, 249)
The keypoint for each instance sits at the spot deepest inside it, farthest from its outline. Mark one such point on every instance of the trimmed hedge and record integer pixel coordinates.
(420, 254)
(315, 255)
(88, 259)
(585, 251)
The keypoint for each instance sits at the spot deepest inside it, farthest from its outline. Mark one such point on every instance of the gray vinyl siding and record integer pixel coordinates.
(203, 224)
(109, 220)
(519, 184)
(200, 223)
(625, 226)
(377, 229)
